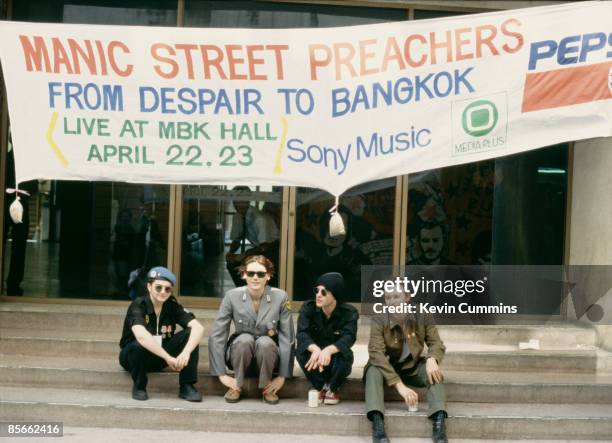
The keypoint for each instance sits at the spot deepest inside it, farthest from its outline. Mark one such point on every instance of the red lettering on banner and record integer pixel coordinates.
(445, 44)
(518, 36)
(365, 56)
(315, 61)
(212, 62)
(173, 65)
(345, 59)
(392, 53)
(408, 52)
(482, 40)
(73, 56)
(460, 42)
(369, 56)
(188, 59)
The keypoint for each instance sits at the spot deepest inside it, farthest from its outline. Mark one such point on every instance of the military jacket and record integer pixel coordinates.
(273, 320)
(387, 341)
(141, 312)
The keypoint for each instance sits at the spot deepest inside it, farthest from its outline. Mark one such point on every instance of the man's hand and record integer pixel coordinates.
(181, 360)
(313, 361)
(324, 358)
(172, 363)
(410, 397)
(434, 375)
(274, 386)
(229, 382)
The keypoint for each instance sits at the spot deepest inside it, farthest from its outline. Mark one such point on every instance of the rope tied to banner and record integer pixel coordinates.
(336, 223)
(16, 208)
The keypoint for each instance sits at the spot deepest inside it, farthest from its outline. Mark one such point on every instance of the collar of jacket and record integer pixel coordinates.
(266, 294)
(392, 320)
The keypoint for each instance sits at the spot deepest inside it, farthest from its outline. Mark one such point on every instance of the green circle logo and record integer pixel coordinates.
(479, 118)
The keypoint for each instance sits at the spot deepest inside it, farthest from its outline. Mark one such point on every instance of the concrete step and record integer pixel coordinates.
(104, 435)
(466, 420)
(96, 320)
(459, 356)
(495, 387)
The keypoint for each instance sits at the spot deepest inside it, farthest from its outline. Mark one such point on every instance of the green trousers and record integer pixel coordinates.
(375, 394)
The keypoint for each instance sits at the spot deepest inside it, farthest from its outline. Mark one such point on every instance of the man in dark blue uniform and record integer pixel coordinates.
(150, 342)
(327, 328)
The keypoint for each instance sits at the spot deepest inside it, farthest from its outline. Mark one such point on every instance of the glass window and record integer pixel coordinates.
(367, 211)
(282, 15)
(221, 226)
(505, 211)
(110, 12)
(83, 239)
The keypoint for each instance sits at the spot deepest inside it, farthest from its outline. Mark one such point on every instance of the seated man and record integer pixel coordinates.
(395, 348)
(149, 342)
(327, 328)
(264, 338)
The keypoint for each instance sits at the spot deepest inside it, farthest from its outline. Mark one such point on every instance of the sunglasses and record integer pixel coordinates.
(160, 288)
(259, 274)
(323, 291)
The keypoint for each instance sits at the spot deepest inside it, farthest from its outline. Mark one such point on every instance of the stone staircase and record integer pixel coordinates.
(59, 362)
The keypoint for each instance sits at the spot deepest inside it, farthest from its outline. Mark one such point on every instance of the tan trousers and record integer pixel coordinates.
(250, 355)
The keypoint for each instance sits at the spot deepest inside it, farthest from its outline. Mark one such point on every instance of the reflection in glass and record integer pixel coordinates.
(86, 239)
(505, 211)
(222, 226)
(367, 211)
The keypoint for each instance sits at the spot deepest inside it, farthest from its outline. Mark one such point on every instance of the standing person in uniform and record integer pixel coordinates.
(327, 329)
(264, 337)
(150, 342)
(396, 348)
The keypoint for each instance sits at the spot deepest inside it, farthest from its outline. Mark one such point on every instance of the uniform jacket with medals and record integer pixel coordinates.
(273, 320)
(387, 337)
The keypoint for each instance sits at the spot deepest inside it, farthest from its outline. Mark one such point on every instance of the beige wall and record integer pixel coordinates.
(590, 240)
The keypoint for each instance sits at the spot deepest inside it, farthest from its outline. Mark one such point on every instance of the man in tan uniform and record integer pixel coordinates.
(396, 348)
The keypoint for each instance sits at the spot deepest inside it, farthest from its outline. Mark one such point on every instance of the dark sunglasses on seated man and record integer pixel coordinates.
(259, 274)
(160, 288)
(316, 289)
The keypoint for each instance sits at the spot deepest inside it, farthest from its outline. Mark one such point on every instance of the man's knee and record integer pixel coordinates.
(265, 345)
(243, 341)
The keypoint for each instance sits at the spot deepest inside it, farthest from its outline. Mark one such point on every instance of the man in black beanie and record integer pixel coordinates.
(327, 328)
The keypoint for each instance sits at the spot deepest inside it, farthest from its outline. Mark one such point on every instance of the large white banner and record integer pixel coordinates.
(325, 108)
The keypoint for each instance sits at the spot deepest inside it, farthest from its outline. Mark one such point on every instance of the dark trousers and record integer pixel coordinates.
(138, 361)
(19, 237)
(334, 374)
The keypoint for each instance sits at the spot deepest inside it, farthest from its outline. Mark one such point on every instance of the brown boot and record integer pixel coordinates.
(270, 398)
(232, 396)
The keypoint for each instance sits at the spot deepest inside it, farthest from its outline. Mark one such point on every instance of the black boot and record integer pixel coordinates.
(378, 428)
(439, 428)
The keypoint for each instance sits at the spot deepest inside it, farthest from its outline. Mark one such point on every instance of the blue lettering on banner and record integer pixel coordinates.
(201, 101)
(362, 148)
(88, 96)
(572, 49)
(400, 91)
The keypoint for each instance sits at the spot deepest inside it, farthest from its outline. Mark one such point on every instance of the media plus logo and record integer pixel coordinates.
(479, 125)
(479, 118)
